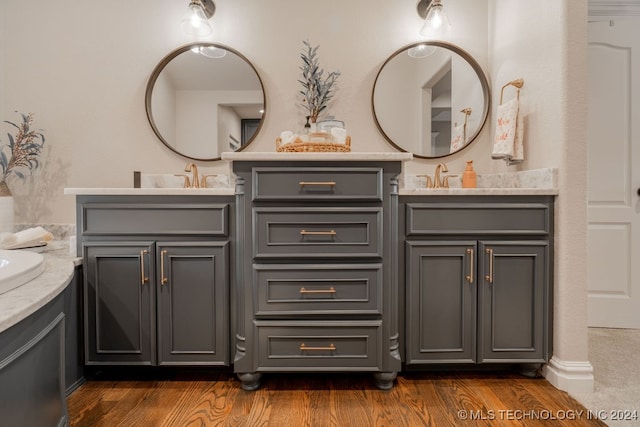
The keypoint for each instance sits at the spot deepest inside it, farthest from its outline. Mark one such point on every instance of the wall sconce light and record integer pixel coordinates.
(195, 22)
(436, 24)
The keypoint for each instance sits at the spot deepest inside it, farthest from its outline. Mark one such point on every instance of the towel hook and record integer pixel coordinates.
(517, 83)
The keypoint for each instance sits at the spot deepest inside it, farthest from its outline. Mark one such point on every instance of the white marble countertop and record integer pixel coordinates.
(151, 191)
(478, 191)
(21, 302)
(332, 156)
(524, 183)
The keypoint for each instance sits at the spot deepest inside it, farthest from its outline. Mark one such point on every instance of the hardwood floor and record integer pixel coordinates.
(293, 400)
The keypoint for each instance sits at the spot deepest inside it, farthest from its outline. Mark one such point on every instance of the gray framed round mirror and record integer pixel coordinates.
(203, 99)
(430, 99)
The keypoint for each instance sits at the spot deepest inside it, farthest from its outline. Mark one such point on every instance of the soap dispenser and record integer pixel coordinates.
(469, 178)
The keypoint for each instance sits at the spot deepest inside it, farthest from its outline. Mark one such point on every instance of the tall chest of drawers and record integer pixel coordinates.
(316, 278)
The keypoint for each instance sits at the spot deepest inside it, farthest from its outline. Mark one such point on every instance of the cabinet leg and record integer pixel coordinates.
(530, 370)
(250, 380)
(384, 380)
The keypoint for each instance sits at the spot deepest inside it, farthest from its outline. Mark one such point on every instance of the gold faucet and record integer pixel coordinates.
(437, 182)
(195, 180)
(187, 181)
(428, 181)
(203, 180)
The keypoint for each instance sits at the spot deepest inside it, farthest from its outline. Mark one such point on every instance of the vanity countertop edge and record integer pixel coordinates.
(506, 191)
(151, 191)
(315, 156)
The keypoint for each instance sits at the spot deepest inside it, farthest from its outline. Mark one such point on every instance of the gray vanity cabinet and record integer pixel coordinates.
(192, 301)
(316, 280)
(513, 306)
(119, 309)
(441, 302)
(478, 279)
(156, 279)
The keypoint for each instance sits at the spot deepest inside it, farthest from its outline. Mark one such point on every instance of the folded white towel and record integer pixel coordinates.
(7, 239)
(508, 141)
(26, 238)
(457, 138)
(339, 135)
(287, 136)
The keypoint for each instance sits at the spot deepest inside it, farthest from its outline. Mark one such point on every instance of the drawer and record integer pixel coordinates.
(320, 346)
(477, 218)
(317, 232)
(319, 289)
(158, 219)
(317, 183)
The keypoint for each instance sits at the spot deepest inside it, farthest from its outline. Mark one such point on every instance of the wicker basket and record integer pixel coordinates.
(299, 146)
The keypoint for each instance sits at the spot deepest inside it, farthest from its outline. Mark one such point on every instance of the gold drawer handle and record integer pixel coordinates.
(318, 183)
(331, 290)
(163, 280)
(143, 279)
(489, 277)
(470, 275)
(305, 348)
(318, 233)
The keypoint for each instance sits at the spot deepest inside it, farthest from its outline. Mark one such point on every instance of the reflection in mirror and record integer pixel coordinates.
(203, 99)
(430, 99)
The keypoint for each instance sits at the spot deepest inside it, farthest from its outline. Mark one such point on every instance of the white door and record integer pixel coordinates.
(614, 174)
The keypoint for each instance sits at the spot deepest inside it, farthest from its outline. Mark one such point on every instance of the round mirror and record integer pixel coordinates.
(203, 99)
(430, 99)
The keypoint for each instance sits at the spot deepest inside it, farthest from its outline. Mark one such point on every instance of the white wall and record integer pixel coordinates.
(545, 43)
(163, 105)
(229, 124)
(398, 102)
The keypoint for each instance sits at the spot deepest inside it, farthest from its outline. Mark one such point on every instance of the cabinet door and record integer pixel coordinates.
(441, 302)
(118, 297)
(192, 303)
(513, 301)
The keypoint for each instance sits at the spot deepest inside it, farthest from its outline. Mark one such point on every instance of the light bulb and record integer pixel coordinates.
(195, 22)
(212, 52)
(420, 51)
(209, 51)
(436, 24)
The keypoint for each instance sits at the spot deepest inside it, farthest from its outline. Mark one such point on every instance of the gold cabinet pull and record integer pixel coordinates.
(317, 183)
(163, 278)
(470, 275)
(489, 277)
(331, 290)
(318, 233)
(331, 347)
(143, 279)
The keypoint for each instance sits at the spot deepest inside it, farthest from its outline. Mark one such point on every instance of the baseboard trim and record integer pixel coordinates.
(569, 376)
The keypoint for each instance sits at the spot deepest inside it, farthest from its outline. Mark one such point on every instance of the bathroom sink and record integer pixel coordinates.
(18, 267)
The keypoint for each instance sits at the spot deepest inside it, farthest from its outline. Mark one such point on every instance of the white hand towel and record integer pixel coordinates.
(339, 135)
(7, 239)
(286, 137)
(29, 237)
(508, 141)
(457, 138)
